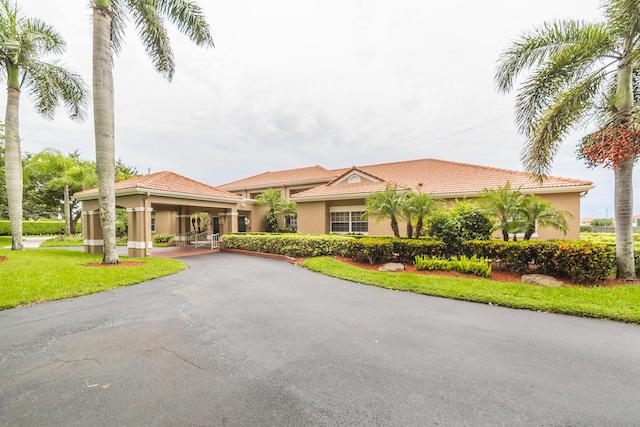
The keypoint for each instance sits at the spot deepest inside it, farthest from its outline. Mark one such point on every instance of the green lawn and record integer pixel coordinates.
(620, 303)
(37, 275)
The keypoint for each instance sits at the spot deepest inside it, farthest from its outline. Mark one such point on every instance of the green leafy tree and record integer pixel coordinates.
(602, 222)
(24, 43)
(503, 206)
(149, 17)
(535, 212)
(582, 72)
(52, 177)
(385, 205)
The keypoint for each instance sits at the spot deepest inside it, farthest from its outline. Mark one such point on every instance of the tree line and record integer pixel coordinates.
(50, 178)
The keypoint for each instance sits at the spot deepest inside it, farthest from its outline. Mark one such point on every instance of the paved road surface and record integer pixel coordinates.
(242, 341)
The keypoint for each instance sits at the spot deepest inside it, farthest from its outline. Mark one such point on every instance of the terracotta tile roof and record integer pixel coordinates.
(167, 182)
(362, 188)
(290, 176)
(440, 177)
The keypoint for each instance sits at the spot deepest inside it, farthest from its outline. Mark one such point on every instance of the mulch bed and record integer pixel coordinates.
(496, 274)
(3, 258)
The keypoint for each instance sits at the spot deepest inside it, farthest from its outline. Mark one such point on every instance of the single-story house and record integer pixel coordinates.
(333, 201)
(328, 200)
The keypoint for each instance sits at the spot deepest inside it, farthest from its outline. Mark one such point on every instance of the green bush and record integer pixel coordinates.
(583, 262)
(372, 250)
(479, 267)
(162, 238)
(462, 222)
(289, 244)
(34, 228)
(586, 229)
(408, 249)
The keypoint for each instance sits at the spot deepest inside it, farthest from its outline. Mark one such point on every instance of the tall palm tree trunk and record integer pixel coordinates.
(12, 158)
(625, 262)
(104, 127)
(624, 220)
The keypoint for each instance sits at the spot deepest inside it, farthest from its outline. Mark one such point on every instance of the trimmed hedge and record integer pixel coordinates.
(37, 228)
(583, 262)
(375, 250)
(289, 244)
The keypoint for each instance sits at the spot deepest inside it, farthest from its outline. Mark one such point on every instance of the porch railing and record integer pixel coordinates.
(198, 239)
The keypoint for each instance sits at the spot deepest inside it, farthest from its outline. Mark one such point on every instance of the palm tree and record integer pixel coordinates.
(24, 42)
(386, 204)
(422, 206)
(272, 198)
(537, 212)
(502, 205)
(407, 212)
(288, 210)
(109, 17)
(582, 72)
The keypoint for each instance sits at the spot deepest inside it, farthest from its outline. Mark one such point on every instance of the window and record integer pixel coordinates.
(349, 222)
(354, 179)
(153, 222)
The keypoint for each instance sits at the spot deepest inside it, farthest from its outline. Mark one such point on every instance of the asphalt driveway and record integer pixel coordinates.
(242, 341)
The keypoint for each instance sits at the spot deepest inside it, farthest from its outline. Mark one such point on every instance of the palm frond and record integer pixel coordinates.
(623, 16)
(571, 63)
(49, 83)
(118, 25)
(569, 108)
(189, 19)
(147, 18)
(535, 47)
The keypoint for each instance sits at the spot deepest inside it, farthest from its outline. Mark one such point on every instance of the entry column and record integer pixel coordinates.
(92, 232)
(140, 240)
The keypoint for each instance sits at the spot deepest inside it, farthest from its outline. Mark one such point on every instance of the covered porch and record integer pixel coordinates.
(165, 203)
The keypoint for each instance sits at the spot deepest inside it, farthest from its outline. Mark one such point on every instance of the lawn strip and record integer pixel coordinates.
(621, 303)
(34, 275)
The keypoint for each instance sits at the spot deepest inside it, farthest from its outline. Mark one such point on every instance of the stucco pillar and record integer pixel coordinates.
(92, 232)
(228, 222)
(140, 240)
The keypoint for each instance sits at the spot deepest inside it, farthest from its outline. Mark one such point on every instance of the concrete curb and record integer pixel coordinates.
(284, 258)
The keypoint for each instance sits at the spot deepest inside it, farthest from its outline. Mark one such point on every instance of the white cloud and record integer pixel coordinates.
(298, 83)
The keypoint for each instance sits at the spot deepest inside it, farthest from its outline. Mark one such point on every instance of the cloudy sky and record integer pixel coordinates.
(296, 83)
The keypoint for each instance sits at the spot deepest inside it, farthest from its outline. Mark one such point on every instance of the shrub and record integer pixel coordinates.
(462, 222)
(583, 262)
(372, 250)
(162, 238)
(31, 228)
(289, 244)
(479, 267)
(408, 249)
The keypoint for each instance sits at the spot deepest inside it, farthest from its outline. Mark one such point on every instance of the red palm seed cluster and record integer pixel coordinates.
(610, 146)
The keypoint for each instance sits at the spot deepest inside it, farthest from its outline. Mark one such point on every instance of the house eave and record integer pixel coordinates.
(174, 194)
(278, 184)
(457, 195)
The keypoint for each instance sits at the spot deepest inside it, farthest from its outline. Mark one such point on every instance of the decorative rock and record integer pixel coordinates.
(542, 280)
(392, 266)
